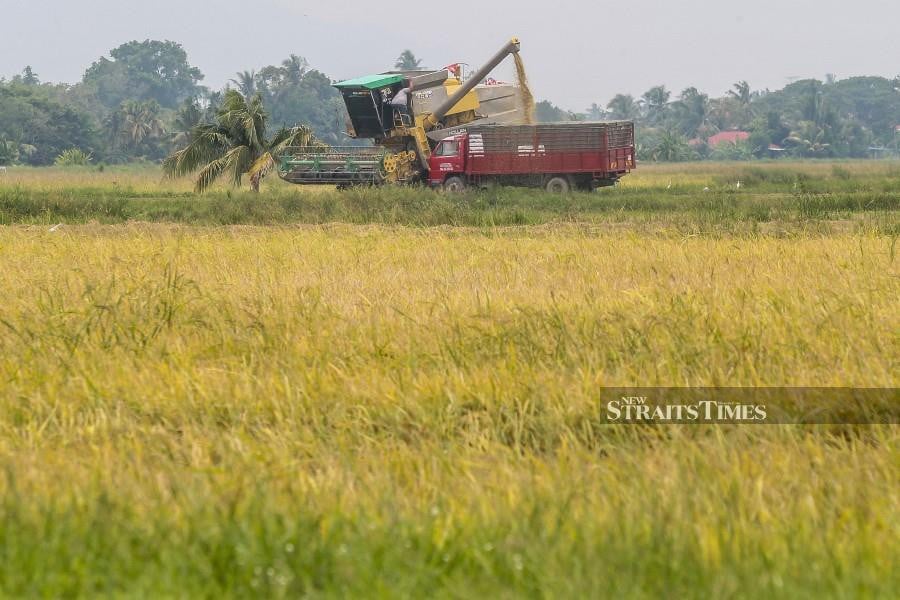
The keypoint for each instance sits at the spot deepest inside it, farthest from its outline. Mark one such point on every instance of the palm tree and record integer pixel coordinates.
(672, 147)
(741, 93)
(141, 121)
(407, 61)
(623, 107)
(693, 110)
(595, 112)
(656, 99)
(134, 122)
(293, 69)
(235, 145)
(246, 83)
(186, 119)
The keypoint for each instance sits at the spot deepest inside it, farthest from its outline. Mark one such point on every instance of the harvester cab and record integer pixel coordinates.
(438, 102)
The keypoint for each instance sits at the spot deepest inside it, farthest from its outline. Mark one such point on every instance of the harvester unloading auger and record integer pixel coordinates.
(439, 102)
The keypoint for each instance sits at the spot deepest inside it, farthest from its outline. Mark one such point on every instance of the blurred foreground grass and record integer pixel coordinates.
(387, 411)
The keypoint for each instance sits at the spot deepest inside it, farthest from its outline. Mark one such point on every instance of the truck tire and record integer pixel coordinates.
(558, 185)
(455, 184)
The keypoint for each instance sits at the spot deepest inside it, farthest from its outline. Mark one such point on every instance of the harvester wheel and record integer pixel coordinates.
(455, 184)
(558, 185)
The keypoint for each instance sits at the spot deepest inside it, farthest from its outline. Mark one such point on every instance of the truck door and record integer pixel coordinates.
(446, 160)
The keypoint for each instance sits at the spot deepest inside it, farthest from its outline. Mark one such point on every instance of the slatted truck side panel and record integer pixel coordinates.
(581, 155)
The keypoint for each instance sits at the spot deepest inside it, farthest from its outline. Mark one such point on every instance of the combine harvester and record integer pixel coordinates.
(457, 132)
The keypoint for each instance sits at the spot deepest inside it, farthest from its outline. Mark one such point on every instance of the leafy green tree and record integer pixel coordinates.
(872, 102)
(235, 145)
(28, 77)
(9, 152)
(547, 112)
(853, 140)
(766, 130)
(269, 81)
(294, 93)
(148, 70)
(407, 61)
(313, 101)
(623, 107)
(32, 119)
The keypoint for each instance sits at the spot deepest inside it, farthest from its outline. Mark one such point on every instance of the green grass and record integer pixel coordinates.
(861, 195)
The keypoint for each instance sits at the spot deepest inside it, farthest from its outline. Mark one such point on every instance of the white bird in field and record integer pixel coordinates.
(669, 187)
(738, 185)
(706, 189)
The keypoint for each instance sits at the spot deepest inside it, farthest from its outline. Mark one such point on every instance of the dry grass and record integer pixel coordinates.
(407, 412)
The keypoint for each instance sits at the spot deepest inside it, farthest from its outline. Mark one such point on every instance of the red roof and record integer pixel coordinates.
(732, 137)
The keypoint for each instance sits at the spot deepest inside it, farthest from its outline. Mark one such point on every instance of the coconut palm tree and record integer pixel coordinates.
(741, 93)
(245, 83)
(595, 112)
(293, 68)
(692, 111)
(672, 147)
(623, 107)
(140, 121)
(235, 145)
(134, 123)
(186, 119)
(656, 99)
(407, 61)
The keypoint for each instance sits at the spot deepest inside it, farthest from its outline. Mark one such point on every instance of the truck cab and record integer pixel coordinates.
(447, 159)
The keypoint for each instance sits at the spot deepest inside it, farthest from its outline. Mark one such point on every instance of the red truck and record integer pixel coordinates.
(558, 157)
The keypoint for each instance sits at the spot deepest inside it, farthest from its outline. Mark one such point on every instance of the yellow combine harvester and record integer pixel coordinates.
(404, 136)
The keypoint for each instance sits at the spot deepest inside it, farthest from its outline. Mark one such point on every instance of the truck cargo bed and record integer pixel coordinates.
(551, 148)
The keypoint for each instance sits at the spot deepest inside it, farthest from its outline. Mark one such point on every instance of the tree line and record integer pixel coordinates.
(857, 117)
(145, 101)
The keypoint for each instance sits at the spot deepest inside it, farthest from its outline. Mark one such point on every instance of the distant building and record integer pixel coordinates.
(731, 137)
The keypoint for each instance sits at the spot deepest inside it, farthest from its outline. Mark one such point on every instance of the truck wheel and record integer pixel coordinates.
(455, 184)
(558, 185)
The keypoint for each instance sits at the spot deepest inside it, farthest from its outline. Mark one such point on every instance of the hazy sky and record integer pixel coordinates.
(577, 51)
